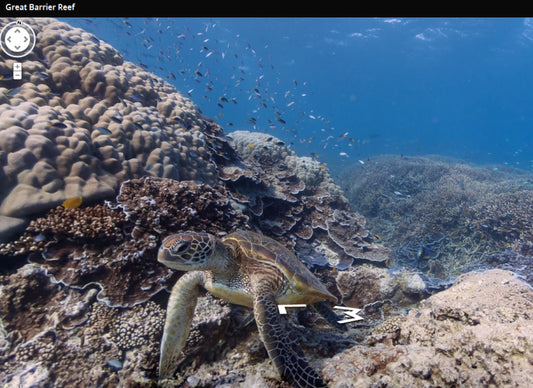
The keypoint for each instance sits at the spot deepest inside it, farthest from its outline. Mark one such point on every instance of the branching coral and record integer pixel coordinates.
(408, 201)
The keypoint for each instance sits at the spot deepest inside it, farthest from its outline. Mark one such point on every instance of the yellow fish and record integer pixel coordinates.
(72, 203)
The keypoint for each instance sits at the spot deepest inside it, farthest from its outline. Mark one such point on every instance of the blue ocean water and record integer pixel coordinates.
(346, 89)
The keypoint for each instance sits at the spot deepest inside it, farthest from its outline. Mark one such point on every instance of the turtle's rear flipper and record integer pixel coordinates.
(282, 347)
(330, 316)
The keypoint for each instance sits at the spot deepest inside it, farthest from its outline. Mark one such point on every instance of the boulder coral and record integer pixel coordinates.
(83, 120)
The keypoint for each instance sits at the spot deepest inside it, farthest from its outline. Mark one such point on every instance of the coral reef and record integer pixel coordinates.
(441, 217)
(81, 285)
(291, 201)
(478, 332)
(84, 120)
(114, 245)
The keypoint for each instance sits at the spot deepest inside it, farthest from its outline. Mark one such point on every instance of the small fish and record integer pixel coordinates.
(103, 130)
(344, 154)
(198, 73)
(223, 99)
(40, 237)
(251, 146)
(280, 120)
(133, 97)
(72, 203)
(314, 155)
(139, 126)
(360, 161)
(57, 125)
(398, 194)
(13, 91)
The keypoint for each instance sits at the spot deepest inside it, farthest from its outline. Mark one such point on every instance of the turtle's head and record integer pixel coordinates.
(188, 251)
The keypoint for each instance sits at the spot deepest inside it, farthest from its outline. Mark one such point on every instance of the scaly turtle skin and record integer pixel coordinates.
(248, 269)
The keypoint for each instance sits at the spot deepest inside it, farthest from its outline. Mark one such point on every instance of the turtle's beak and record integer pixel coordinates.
(183, 251)
(167, 251)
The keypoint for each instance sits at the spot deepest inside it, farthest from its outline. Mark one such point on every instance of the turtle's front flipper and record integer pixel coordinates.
(180, 311)
(282, 347)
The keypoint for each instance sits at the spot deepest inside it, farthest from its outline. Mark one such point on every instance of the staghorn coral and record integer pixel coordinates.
(506, 216)
(98, 222)
(440, 216)
(95, 222)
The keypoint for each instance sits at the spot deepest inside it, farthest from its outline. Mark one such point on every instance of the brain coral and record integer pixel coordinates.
(83, 120)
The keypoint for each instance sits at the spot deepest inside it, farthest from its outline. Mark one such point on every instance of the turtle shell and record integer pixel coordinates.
(263, 249)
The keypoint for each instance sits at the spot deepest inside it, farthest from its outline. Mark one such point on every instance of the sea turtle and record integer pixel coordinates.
(248, 269)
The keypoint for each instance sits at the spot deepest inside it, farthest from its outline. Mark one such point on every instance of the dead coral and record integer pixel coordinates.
(478, 332)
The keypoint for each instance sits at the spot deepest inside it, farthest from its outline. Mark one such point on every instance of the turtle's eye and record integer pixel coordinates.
(180, 247)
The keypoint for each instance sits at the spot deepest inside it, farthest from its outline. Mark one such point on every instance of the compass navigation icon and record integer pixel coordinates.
(17, 39)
